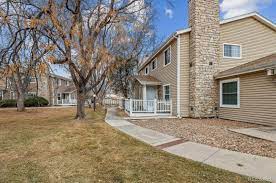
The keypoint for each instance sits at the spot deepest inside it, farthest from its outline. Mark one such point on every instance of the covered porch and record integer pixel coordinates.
(67, 96)
(147, 98)
(66, 99)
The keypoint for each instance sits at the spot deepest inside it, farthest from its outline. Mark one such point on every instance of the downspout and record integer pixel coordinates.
(178, 77)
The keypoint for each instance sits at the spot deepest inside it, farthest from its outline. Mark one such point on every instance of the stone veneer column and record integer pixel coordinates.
(204, 56)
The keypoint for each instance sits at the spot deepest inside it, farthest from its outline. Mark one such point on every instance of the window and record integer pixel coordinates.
(1, 95)
(31, 94)
(59, 96)
(153, 64)
(12, 95)
(231, 51)
(229, 93)
(167, 55)
(166, 90)
(32, 80)
(147, 70)
(67, 83)
(59, 82)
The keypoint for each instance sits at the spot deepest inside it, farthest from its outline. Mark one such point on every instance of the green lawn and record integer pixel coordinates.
(47, 145)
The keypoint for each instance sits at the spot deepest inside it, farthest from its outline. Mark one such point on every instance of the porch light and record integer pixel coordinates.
(94, 102)
(271, 72)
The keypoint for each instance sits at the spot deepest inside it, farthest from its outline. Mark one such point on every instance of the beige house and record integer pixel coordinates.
(58, 90)
(214, 68)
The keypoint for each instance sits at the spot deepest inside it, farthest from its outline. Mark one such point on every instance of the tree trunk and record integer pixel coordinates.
(20, 103)
(80, 105)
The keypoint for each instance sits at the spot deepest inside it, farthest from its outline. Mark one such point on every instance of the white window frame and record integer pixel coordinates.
(164, 56)
(164, 91)
(33, 78)
(32, 94)
(1, 94)
(67, 83)
(59, 82)
(59, 96)
(238, 93)
(12, 95)
(147, 69)
(240, 57)
(155, 60)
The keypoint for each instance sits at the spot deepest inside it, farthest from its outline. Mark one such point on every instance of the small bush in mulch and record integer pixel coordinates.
(36, 102)
(8, 103)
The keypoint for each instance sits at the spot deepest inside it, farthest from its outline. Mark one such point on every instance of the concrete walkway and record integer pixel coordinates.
(146, 135)
(245, 164)
(267, 133)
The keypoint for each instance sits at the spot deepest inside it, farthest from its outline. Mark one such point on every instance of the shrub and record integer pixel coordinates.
(8, 103)
(36, 102)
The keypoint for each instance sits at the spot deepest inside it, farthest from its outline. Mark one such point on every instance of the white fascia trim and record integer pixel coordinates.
(253, 14)
(183, 31)
(228, 20)
(178, 77)
(238, 92)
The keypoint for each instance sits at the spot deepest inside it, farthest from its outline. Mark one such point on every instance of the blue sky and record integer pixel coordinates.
(170, 19)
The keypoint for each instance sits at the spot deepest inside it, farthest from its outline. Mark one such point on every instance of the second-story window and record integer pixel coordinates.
(59, 82)
(32, 79)
(67, 83)
(153, 64)
(167, 56)
(147, 70)
(231, 51)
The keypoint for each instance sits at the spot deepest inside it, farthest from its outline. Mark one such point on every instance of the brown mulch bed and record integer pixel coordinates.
(213, 132)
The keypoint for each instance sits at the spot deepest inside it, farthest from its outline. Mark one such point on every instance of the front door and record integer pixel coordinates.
(151, 92)
(151, 95)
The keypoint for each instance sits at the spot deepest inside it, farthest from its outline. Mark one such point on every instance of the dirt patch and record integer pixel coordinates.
(213, 132)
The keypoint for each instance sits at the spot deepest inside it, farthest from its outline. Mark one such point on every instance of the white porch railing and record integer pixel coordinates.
(148, 107)
(67, 102)
(113, 102)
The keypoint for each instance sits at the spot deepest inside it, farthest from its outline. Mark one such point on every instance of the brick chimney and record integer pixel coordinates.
(204, 22)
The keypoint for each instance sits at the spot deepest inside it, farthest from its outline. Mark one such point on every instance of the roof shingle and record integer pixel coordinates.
(264, 63)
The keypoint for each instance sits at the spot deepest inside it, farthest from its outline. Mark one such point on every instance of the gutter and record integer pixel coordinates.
(178, 76)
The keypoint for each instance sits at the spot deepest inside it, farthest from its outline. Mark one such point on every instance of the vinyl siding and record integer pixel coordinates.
(166, 74)
(257, 100)
(184, 75)
(256, 40)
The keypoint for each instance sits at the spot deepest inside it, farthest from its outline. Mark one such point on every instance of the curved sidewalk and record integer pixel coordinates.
(259, 167)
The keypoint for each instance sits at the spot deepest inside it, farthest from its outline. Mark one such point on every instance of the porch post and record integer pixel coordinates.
(144, 92)
(155, 106)
(130, 107)
(171, 106)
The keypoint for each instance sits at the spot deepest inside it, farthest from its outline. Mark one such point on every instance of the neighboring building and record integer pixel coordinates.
(215, 68)
(56, 89)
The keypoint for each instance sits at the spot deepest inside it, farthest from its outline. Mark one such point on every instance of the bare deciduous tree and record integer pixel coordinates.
(77, 28)
(22, 49)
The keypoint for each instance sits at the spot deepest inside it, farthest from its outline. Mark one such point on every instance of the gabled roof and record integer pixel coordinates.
(66, 89)
(268, 62)
(147, 80)
(173, 36)
(60, 77)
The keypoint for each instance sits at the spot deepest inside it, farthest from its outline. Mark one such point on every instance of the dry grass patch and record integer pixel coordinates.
(47, 145)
